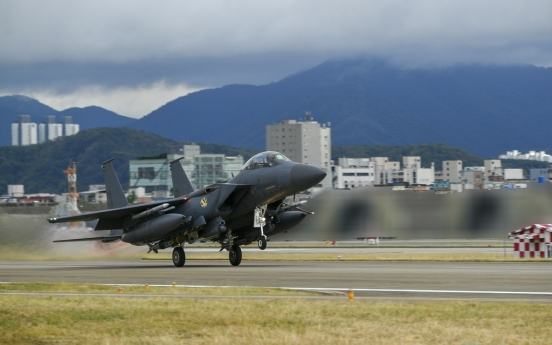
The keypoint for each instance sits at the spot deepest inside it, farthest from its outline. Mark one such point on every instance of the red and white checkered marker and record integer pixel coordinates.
(533, 241)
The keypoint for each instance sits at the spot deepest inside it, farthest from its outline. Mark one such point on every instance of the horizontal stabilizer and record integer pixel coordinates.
(116, 213)
(103, 239)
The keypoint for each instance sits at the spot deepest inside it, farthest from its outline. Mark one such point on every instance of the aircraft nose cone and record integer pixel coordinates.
(304, 176)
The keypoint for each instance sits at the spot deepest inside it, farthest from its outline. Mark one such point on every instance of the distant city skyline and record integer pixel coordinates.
(25, 132)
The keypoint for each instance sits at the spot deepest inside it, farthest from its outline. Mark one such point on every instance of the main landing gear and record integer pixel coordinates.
(179, 257)
(235, 255)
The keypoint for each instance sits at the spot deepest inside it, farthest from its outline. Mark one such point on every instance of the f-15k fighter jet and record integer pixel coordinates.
(247, 208)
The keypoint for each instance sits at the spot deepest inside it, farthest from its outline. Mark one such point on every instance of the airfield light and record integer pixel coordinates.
(351, 295)
(120, 290)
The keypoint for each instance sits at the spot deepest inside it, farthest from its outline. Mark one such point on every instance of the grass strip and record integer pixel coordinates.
(89, 320)
(142, 289)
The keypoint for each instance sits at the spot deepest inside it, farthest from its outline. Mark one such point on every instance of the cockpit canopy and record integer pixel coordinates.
(264, 160)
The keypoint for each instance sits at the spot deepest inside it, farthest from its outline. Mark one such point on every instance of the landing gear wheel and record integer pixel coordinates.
(235, 255)
(262, 243)
(178, 256)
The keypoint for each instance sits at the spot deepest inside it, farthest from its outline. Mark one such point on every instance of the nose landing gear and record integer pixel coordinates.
(259, 222)
(262, 243)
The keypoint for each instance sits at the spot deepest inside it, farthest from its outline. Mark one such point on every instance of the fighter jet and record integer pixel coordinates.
(250, 207)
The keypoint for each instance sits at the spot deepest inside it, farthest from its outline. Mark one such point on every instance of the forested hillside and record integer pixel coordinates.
(40, 167)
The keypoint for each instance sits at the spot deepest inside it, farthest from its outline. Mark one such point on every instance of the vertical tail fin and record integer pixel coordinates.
(115, 196)
(181, 184)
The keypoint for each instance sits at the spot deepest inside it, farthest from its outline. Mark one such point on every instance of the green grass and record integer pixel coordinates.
(112, 320)
(142, 289)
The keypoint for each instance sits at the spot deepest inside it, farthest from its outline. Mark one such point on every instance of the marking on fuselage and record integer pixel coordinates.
(203, 202)
(267, 188)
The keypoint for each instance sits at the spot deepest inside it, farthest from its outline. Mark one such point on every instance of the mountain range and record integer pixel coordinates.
(484, 110)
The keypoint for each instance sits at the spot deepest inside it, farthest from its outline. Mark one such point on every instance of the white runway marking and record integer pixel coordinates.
(537, 293)
(428, 291)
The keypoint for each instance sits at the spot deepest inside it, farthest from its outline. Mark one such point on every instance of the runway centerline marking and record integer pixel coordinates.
(428, 291)
(313, 289)
(541, 293)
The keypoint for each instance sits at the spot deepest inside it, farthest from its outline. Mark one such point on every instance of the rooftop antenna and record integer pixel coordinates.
(308, 116)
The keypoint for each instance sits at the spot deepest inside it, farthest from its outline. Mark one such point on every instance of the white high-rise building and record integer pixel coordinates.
(24, 132)
(41, 133)
(46, 130)
(305, 142)
(15, 134)
(55, 130)
(28, 134)
(69, 128)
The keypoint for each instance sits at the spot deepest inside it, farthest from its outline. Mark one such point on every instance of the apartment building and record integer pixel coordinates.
(307, 142)
(451, 171)
(25, 132)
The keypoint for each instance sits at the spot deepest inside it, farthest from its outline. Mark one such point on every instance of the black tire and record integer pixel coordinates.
(235, 255)
(262, 243)
(178, 256)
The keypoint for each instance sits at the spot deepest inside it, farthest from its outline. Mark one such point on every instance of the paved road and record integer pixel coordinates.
(523, 281)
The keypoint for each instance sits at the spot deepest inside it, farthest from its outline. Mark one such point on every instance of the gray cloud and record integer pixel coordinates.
(61, 45)
(125, 31)
(198, 72)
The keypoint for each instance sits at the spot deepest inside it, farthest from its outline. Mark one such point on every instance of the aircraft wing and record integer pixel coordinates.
(114, 213)
(102, 238)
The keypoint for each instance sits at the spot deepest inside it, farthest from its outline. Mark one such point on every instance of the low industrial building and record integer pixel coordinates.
(352, 173)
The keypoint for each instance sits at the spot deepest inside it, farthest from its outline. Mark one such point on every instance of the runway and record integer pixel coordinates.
(523, 281)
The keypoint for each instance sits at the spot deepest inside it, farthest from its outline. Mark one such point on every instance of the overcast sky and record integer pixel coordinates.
(133, 56)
